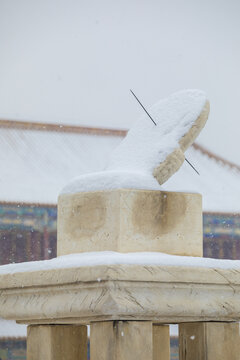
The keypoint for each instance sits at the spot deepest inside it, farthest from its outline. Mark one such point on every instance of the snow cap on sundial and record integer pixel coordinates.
(160, 149)
(151, 153)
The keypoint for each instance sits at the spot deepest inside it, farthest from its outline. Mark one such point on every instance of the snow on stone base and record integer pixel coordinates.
(115, 258)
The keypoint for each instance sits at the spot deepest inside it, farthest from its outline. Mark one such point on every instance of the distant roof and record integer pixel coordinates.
(38, 159)
(26, 125)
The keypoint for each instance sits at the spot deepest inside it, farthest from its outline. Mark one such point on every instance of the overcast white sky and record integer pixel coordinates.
(73, 61)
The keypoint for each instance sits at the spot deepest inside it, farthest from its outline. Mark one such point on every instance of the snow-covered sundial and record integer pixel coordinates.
(124, 208)
(116, 228)
(154, 150)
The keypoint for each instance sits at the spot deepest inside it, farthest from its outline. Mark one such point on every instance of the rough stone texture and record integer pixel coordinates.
(209, 341)
(174, 160)
(130, 221)
(162, 294)
(57, 342)
(121, 340)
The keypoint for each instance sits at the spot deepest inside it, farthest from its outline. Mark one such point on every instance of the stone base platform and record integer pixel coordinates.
(82, 295)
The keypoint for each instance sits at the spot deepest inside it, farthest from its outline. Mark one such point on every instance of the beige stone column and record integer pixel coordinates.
(57, 342)
(209, 341)
(121, 340)
(161, 342)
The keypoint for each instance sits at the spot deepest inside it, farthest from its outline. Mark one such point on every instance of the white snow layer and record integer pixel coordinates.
(146, 145)
(110, 180)
(115, 258)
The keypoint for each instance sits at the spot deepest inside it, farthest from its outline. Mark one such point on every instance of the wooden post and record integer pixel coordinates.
(209, 341)
(57, 342)
(161, 342)
(121, 340)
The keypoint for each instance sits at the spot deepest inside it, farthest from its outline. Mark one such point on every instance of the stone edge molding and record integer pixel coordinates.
(162, 294)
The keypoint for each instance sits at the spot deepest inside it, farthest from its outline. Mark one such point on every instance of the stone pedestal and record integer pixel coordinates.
(127, 306)
(130, 221)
